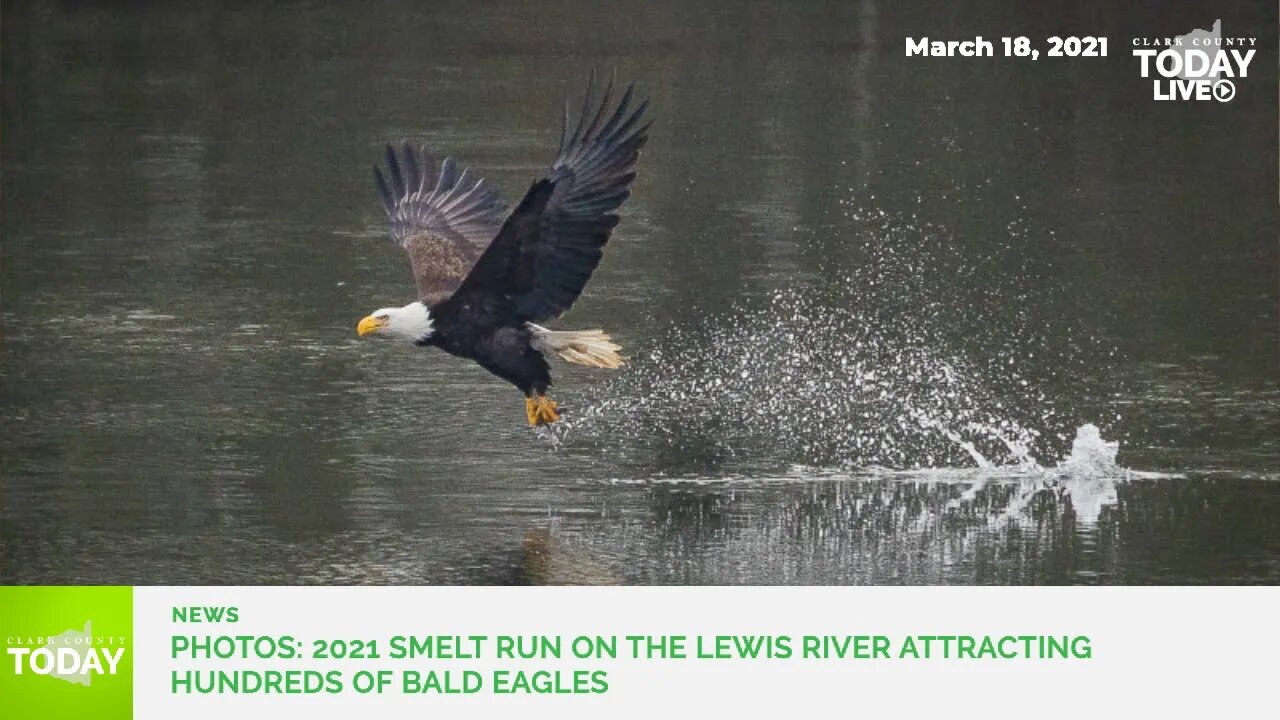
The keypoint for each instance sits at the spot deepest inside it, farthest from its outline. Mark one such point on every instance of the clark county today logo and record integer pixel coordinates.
(1200, 65)
(66, 652)
(71, 656)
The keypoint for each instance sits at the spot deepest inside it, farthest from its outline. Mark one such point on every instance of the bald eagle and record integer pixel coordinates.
(485, 305)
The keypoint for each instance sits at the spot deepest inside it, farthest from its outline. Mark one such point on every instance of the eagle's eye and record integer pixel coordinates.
(384, 318)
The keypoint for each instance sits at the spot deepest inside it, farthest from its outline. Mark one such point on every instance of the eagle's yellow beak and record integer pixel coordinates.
(370, 324)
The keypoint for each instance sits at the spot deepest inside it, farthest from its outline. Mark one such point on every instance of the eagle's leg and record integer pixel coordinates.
(540, 410)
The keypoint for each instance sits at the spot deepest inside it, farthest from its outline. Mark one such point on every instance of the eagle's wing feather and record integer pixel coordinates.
(552, 242)
(441, 217)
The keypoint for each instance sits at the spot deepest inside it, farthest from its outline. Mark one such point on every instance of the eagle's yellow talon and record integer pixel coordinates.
(541, 410)
(550, 411)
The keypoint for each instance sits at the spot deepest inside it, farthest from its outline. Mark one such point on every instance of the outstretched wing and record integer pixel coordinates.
(441, 216)
(549, 246)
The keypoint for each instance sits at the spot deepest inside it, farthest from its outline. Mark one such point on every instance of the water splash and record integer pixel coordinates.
(1087, 478)
(1089, 474)
(1079, 490)
(1090, 454)
(827, 384)
(896, 360)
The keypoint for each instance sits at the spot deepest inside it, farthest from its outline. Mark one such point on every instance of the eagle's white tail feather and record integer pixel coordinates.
(593, 348)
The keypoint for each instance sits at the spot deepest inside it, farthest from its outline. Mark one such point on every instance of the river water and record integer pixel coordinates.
(890, 320)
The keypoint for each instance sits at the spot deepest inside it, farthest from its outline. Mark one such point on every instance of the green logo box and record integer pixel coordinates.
(68, 652)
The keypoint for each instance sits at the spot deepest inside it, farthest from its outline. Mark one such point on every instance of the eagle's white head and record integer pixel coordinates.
(411, 322)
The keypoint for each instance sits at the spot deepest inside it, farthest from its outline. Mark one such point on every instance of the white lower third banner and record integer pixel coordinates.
(632, 652)
(409, 652)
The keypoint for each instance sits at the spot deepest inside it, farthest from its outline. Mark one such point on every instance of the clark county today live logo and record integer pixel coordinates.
(67, 652)
(1200, 65)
